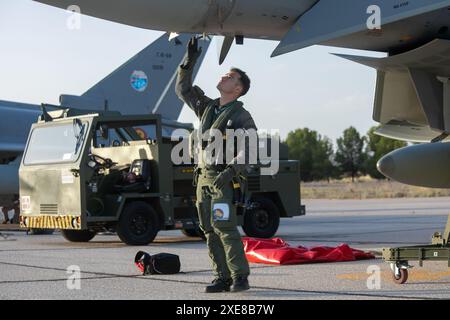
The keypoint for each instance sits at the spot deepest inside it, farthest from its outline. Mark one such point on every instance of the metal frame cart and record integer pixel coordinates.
(399, 258)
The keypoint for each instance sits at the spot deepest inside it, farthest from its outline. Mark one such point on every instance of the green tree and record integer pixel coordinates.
(350, 156)
(314, 153)
(377, 147)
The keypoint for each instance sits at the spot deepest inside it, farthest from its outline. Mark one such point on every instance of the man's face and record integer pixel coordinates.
(230, 83)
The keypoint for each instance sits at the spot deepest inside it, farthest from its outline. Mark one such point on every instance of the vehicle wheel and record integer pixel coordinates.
(402, 278)
(78, 235)
(263, 220)
(38, 232)
(195, 233)
(138, 224)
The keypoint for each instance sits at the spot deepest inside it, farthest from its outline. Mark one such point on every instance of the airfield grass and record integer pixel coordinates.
(366, 188)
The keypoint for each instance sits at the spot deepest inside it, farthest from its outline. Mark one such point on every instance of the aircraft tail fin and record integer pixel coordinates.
(144, 84)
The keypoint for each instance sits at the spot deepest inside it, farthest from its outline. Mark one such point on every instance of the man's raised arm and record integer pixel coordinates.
(193, 96)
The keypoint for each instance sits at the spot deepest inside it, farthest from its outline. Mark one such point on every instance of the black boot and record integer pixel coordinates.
(219, 285)
(240, 284)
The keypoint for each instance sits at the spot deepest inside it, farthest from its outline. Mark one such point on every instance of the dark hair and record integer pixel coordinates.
(245, 80)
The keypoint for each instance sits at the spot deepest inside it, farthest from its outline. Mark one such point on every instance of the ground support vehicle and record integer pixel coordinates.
(87, 173)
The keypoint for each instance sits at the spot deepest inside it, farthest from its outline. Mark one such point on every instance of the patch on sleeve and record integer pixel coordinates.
(221, 212)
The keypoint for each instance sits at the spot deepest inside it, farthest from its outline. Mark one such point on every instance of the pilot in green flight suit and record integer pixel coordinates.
(217, 212)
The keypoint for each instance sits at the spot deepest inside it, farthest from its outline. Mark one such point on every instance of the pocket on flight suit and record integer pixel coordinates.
(203, 209)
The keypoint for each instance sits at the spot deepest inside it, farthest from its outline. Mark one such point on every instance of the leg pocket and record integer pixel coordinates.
(204, 215)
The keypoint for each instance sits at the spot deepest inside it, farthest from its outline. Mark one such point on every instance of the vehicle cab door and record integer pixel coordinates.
(51, 186)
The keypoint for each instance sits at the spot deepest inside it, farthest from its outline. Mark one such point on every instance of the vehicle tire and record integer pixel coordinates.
(78, 235)
(263, 220)
(194, 233)
(138, 224)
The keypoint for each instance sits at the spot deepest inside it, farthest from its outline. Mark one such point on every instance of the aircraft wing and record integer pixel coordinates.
(344, 23)
(130, 12)
(408, 132)
(409, 90)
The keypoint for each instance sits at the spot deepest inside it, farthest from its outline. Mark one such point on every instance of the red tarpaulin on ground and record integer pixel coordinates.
(277, 251)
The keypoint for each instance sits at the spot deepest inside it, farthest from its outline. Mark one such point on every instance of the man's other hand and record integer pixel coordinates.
(224, 178)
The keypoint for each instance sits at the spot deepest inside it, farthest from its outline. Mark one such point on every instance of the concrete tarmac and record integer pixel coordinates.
(36, 266)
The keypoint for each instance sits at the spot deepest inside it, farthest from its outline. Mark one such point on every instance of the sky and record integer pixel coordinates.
(40, 58)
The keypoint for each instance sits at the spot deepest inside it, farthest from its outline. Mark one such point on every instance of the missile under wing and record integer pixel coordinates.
(424, 165)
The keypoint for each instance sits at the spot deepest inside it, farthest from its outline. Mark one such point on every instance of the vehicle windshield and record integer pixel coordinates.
(59, 143)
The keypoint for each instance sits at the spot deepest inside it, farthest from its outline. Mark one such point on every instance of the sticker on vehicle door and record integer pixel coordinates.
(25, 204)
(67, 177)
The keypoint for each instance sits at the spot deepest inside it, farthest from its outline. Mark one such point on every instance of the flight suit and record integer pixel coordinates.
(216, 209)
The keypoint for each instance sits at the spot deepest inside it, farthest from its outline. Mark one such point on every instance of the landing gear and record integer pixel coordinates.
(439, 250)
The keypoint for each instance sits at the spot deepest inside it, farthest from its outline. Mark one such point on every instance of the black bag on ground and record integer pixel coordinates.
(161, 263)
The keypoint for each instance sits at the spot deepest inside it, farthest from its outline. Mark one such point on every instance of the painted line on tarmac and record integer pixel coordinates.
(96, 245)
(49, 280)
(102, 275)
(106, 275)
(59, 249)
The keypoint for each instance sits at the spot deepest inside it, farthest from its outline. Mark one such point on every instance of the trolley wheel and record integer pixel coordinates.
(402, 278)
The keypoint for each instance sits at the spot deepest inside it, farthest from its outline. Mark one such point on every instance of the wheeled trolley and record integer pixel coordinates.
(399, 258)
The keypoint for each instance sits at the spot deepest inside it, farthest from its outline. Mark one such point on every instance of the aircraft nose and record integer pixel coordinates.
(386, 166)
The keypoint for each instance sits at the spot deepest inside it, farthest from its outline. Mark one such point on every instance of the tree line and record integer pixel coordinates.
(355, 155)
